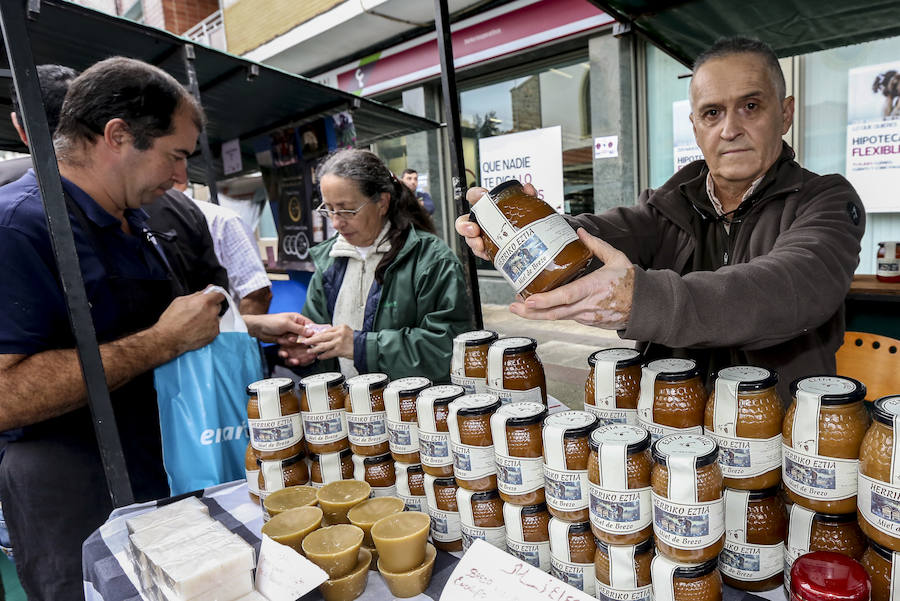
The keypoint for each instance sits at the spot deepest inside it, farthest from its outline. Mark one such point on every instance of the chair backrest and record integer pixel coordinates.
(873, 360)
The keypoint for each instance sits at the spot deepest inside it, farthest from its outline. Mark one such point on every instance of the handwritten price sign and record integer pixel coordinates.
(487, 573)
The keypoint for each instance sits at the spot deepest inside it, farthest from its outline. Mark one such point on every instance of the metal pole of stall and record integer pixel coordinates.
(18, 49)
(457, 162)
(194, 88)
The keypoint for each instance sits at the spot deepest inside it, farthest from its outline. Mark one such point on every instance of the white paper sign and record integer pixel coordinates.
(282, 574)
(685, 149)
(231, 156)
(532, 157)
(485, 573)
(606, 147)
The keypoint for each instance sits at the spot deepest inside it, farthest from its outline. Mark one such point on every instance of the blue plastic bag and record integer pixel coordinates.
(203, 407)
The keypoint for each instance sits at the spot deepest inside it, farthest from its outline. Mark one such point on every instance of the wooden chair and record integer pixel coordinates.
(873, 360)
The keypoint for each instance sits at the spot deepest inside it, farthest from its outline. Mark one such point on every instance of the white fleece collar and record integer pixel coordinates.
(342, 248)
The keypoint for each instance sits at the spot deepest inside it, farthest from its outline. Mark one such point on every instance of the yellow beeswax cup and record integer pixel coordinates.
(352, 585)
(290, 527)
(337, 498)
(414, 582)
(335, 549)
(400, 539)
(370, 511)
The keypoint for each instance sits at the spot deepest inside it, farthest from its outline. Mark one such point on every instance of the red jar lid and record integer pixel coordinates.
(827, 576)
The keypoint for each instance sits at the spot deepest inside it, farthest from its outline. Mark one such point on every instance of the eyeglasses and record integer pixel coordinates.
(323, 209)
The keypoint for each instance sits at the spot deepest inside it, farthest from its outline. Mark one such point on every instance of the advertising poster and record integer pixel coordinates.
(295, 223)
(873, 135)
(685, 149)
(532, 157)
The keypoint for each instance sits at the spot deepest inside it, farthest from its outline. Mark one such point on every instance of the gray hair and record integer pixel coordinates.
(724, 47)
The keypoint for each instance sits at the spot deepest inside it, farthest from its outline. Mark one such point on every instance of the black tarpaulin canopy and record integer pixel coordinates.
(242, 99)
(790, 27)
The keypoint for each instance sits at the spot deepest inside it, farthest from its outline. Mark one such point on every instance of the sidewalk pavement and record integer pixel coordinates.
(563, 348)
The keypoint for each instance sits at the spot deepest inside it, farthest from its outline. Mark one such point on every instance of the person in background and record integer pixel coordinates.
(410, 177)
(743, 258)
(236, 249)
(392, 293)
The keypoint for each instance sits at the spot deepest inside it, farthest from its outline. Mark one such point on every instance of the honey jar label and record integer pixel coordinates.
(268, 398)
(325, 428)
(657, 431)
(519, 475)
(747, 562)
(888, 266)
(403, 437)
(566, 490)
(578, 575)
(494, 536)
(608, 417)
(623, 578)
(359, 389)
(605, 382)
(747, 457)
(895, 577)
(688, 525)
(273, 475)
(534, 554)
(445, 525)
(252, 481)
(275, 434)
(517, 396)
(434, 448)
(800, 523)
(662, 575)
(618, 512)
(522, 253)
(316, 389)
(879, 504)
(414, 503)
(367, 429)
(606, 593)
(471, 462)
(819, 477)
(470, 385)
(331, 468)
(384, 491)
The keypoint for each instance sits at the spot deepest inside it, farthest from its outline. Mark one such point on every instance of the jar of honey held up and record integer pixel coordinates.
(469, 422)
(440, 495)
(674, 581)
(688, 508)
(878, 502)
(251, 469)
(411, 486)
(613, 386)
(481, 516)
(468, 364)
(623, 571)
(378, 471)
(883, 567)
(755, 526)
(810, 531)
(330, 467)
(888, 260)
(531, 244)
(528, 534)
(745, 416)
(273, 419)
(823, 430)
(400, 403)
(322, 407)
(672, 399)
(566, 454)
(824, 576)
(432, 408)
(518, 451)
(572, 550)
(619, 474)
(281, 473)
(366, 417)
(514, 372)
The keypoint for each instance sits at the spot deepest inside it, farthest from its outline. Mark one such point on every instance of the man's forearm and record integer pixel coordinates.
(257, 302)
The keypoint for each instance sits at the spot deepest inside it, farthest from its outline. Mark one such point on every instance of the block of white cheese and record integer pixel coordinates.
(254, 596)
(166, 529)
(228, 588)
(165, 512)
(145, 550)
(205, 568)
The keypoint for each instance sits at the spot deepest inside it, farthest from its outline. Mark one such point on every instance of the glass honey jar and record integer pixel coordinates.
(613, 386)
(468, 363)
(673, 398)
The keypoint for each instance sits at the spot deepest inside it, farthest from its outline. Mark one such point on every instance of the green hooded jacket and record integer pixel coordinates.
(410, 320)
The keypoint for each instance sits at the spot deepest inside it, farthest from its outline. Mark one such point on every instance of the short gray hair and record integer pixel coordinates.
(724, 47)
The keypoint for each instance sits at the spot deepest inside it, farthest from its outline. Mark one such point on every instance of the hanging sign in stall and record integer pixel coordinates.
(684, 146)
(873, 134)
(231, 156)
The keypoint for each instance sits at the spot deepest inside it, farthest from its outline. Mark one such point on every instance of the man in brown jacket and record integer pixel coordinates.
(742, 258)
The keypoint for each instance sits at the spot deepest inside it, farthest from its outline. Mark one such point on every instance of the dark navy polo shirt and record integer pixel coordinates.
(33, 316)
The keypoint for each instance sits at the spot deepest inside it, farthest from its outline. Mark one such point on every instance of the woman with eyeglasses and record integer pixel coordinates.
(387, 295)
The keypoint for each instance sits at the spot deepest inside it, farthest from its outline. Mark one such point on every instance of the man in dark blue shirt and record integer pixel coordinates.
(410, 177)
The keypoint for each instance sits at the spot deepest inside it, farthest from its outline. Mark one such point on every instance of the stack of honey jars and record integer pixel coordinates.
(323, 402)
(368, 433)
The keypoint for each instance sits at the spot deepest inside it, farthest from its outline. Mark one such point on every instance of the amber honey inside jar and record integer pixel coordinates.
(322, 405)
(471, 442)
(678, 582)
(468, 364)
(481, 517)
(528, 534)
(432, 408)
(809, 531)
(330, 467)
(251, 469)
(619, 467)
(366, 417)
(823, 431)
(403, 430)
(440, 495)
(745, 416)
(879, 563)
(273, 419)
(755, 527)
(379, 472)
(878, 501)
(673, 398)
(572, 550)
(410, 481)
(514, 372)
(621, 568)
(281, 473)
(613, 386)
(513, 224)
(688, 508)
(518, 450)
(566, 454)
